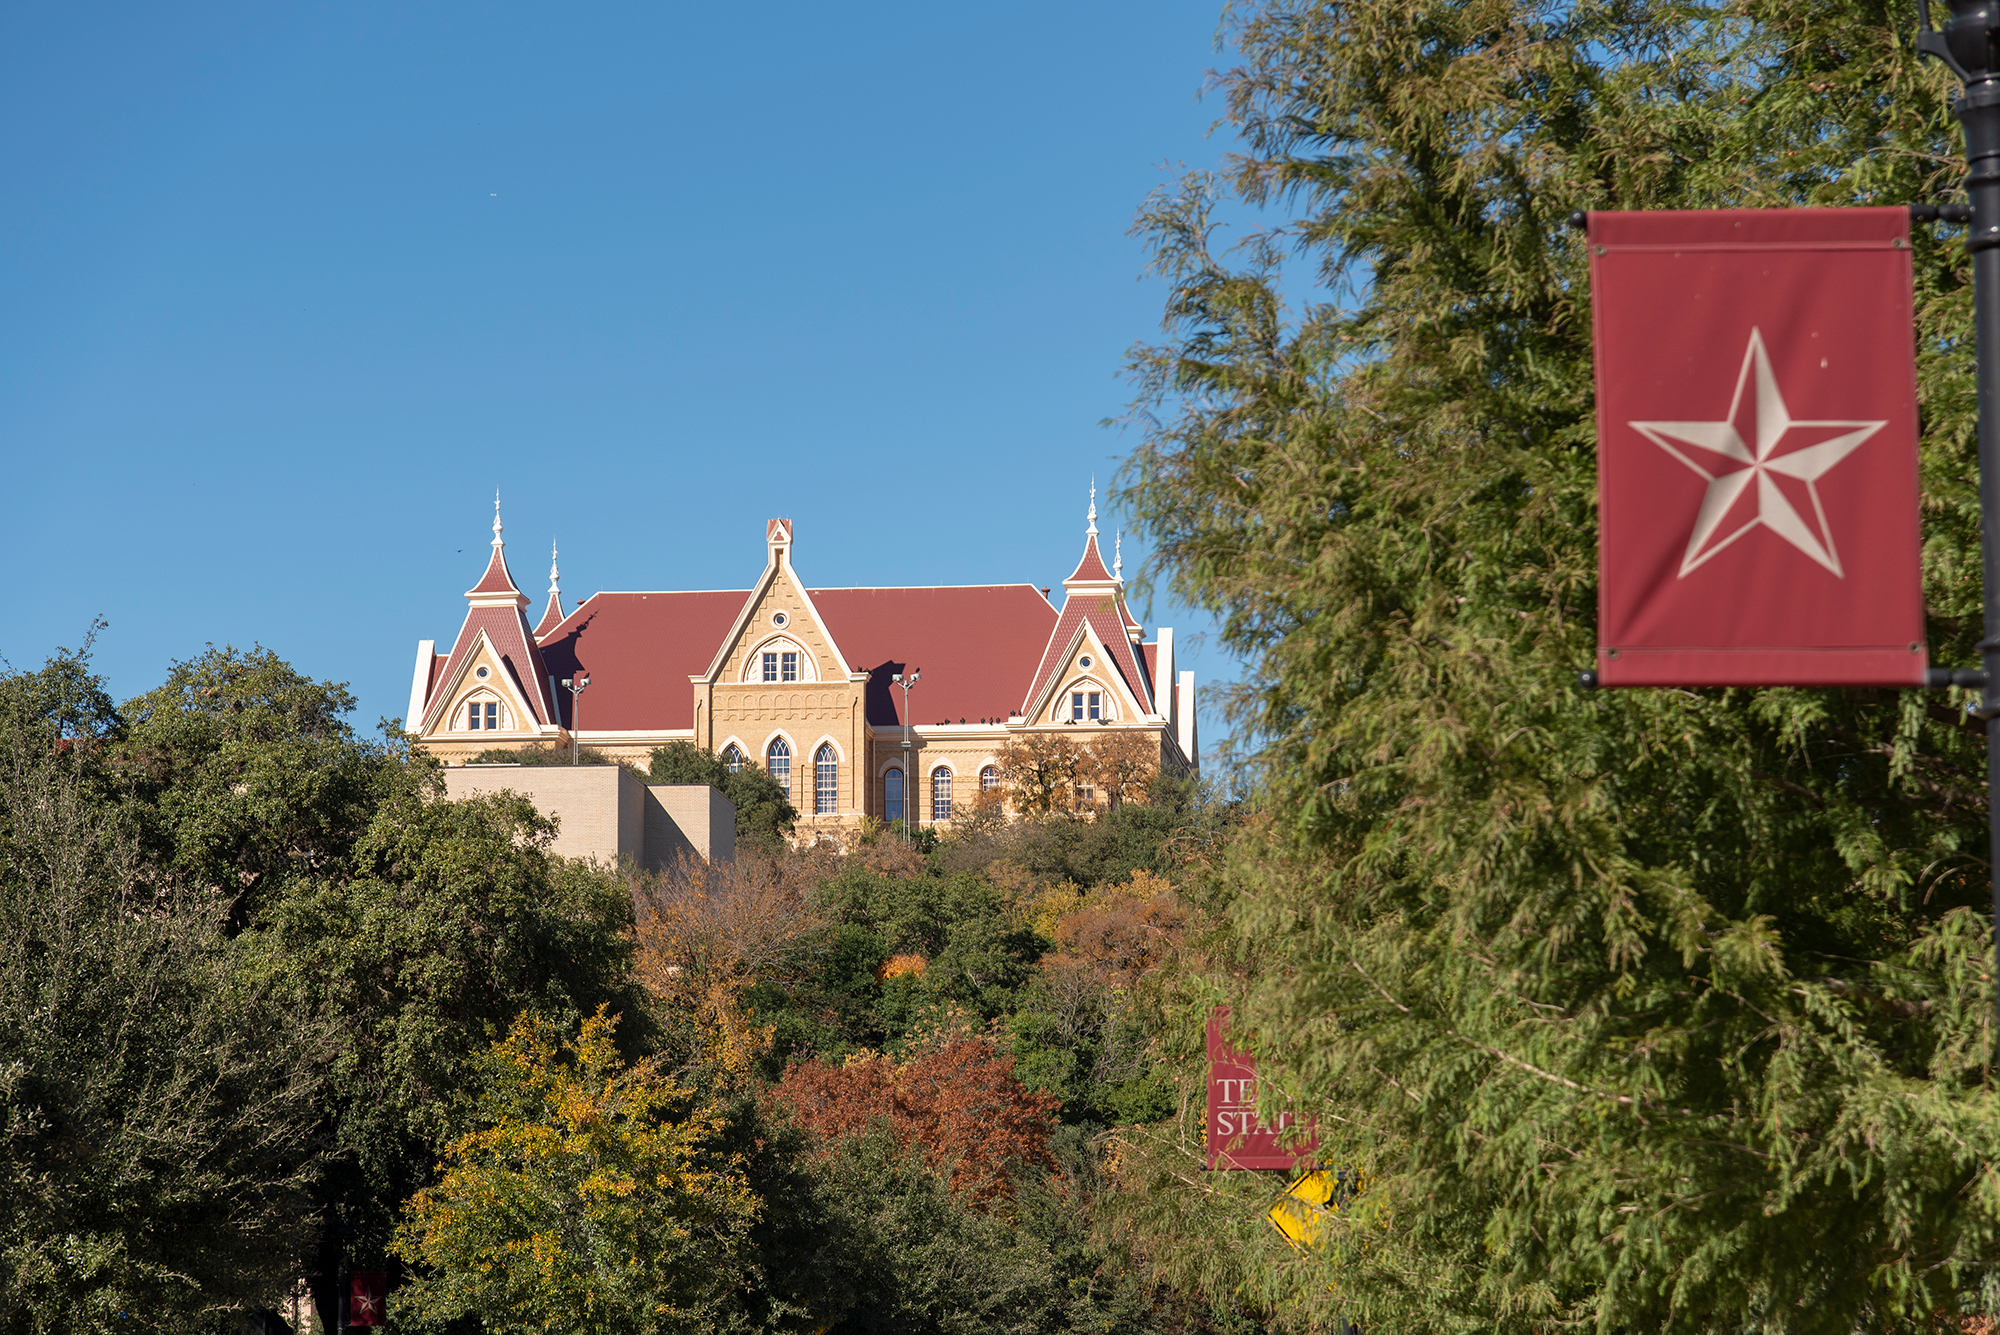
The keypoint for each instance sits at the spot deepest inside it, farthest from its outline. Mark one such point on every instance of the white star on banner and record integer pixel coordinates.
(1791, 451)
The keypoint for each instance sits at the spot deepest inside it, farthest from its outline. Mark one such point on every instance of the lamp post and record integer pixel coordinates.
(1967, 48)
(574, 685)
(906, 681)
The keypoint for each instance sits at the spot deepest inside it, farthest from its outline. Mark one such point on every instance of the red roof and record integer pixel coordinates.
(1091, 567)
(976, 646)
(639, 649)
(497, 579)
(507, 631)
(552, 616)
(1101, 610)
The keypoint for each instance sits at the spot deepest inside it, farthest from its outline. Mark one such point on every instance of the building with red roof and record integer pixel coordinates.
(810, 682)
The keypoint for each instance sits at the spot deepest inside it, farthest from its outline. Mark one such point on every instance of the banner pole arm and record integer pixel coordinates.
(1966, 47)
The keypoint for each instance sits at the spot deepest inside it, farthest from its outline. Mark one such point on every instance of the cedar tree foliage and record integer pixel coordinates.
(1661, 1010)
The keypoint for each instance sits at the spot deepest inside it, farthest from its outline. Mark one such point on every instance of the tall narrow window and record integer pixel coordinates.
(989, 779)
(492, 715)
(892, 795)
(1096, 705)
(732, 757)
(940, 793)
(791, 668)
(826, 780)
(770, 667)
(1076, 706)
(472, 716)
(778, 760)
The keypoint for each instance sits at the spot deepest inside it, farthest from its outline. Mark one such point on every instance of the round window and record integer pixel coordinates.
(780, 620)
(481, 674)
(1084, 662)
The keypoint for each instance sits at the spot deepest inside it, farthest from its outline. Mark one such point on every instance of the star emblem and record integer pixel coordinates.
(1762, 466)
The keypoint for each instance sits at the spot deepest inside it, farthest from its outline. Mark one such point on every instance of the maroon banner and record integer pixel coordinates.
(1237, 1137)
(1756, 448)
(367, 1298)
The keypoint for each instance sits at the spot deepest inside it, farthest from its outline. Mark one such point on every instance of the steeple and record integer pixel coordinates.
(1118, 557)
(496, 587)
(1090, 570)
(552, 617)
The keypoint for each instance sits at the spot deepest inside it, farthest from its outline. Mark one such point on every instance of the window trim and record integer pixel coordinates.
(826, 802)
(941, 810)
(791, 753)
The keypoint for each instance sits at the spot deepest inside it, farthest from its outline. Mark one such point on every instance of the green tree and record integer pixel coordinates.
(591, 1198)
(455, 919)
(764, 811)
(1645, 1010)
(160, 1100)
(246, 775)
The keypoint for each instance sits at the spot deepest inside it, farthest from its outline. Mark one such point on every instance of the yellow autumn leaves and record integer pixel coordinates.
(593, 1198)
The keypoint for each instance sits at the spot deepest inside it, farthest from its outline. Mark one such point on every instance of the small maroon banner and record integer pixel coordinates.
(367, 1298)
(1756, 448)
(1237, 1138)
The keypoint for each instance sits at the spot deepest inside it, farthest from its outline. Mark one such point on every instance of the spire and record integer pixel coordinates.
(1091, 531)
(497, 585)
(1118, 556)
(1090, 570)
(552, 617)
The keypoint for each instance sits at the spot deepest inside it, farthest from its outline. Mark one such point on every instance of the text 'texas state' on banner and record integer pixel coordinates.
(1237, 1137)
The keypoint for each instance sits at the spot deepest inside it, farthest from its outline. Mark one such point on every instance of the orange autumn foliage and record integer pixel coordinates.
(708, 931)
(959, 1102)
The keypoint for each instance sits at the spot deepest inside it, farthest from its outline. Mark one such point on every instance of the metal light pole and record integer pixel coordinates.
(1966, 46)
(575, 687)
(906, 681)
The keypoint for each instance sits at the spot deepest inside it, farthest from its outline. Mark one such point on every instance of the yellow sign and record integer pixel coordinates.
(1304, 1207)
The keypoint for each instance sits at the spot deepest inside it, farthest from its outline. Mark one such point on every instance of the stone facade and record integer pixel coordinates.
(804, 680)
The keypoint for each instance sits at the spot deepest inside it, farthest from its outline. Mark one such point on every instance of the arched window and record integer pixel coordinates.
(826, 780)
(989, 778)
(485, 713)
(892, 795)
(733, 757)
(778, 760)
(940, 793)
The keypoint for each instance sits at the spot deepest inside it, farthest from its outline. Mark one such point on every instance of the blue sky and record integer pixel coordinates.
(287, 291)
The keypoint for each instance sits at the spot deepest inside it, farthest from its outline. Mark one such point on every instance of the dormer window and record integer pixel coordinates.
(483, 716)
(789, 667)
(1086, 707)
(770, 667)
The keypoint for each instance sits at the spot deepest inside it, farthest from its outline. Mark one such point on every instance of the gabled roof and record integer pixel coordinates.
(976, 646)
(506, 630)
(1100, 609)
(640, 649)
(496, 614)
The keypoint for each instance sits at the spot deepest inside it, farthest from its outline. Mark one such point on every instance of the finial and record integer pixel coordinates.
(1092, 530)
(496, 521)
(1118, 555)
(553, 590)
